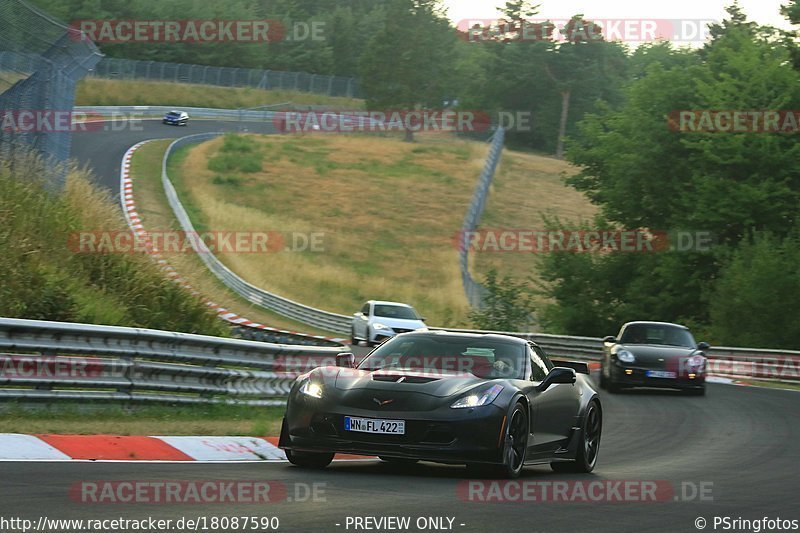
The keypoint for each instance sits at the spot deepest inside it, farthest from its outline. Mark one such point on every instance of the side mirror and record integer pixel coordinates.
(359, 314)
(558, 374)
(703, 346)
(610, 339)
(423, 318)
(346, 360)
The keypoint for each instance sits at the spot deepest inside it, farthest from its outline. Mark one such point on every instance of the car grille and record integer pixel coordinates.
(401, 401)
(402, 330)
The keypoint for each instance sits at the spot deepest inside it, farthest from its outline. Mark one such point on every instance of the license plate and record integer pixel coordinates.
(375, 425)
(660, 374)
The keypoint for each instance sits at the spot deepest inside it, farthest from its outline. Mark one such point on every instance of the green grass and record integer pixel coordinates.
(156, 215)
(45, 275)
(83, 419)
(389, 211)
(101, 92)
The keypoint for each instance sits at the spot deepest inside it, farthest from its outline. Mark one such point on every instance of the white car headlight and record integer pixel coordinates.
(696, 361)
(378, 325)
(311, 388)
(478, 399)
(625, 356)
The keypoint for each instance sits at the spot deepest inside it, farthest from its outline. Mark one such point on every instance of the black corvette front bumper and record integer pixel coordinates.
(631, 376)
(443, 435)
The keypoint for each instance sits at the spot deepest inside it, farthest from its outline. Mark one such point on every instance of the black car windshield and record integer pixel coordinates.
(395, 311)
(663, 334)
(484, 358)
(173, 114)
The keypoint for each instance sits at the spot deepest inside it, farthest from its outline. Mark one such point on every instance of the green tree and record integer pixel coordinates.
(792, 11)
(507, 306)
(755, 298)
(557, 81)
(644, 174)
(408, 62)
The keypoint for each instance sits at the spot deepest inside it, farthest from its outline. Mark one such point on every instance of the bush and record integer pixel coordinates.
(755, 297)
(237, 153)
(42, 277)
(238, 144)
(507, 306)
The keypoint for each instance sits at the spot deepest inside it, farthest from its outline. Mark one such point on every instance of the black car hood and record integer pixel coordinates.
(652, 353)
(438, 384)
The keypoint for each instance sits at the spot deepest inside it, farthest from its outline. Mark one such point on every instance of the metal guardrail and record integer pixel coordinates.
(474, 291)
(273, 115)
(90, 362)
(148, 111)
(317, 318)
(57, 361)
(242, 327)
(131, 69)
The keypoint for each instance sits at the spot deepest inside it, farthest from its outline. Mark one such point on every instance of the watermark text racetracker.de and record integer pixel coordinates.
(401, 120)
(508, 240)
(583, 491)
(67, 121)
(201, 492)
(589, 29)
(175, 242)
(786, 121)
(196, 31)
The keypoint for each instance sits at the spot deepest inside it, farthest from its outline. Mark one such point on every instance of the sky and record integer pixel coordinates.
(761, 11)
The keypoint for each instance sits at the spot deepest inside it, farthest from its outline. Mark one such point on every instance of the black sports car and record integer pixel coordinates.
(492, 402)
(653, 354)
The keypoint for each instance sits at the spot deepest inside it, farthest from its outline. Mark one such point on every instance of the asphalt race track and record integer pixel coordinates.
(744, 441)
(102, 150)
(734, 453)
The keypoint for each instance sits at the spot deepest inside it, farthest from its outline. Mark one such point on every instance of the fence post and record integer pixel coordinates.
(57, 61)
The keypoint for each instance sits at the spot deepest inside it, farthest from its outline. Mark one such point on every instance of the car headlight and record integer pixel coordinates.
(625, 356)
(311, 388)
(378, 325)
(696, 361)
(478, 399)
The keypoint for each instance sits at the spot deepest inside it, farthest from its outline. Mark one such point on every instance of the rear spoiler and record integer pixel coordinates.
(577, 366)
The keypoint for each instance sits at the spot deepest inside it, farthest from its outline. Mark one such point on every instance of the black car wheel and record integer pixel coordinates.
(309, 459)
(589, 447)
(514, 452)
(516, 444)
